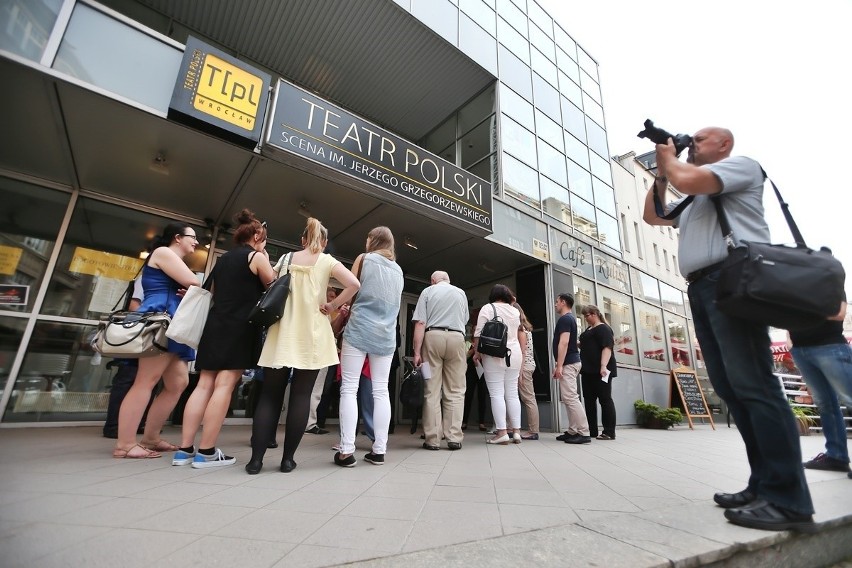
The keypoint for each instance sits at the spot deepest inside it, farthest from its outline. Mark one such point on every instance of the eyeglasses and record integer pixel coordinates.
(193, 237)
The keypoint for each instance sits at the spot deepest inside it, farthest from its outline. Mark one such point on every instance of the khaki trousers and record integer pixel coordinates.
(526, 391)
(444, 392)
(569, 393)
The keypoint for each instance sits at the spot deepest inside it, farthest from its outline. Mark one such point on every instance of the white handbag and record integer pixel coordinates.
(187, 325)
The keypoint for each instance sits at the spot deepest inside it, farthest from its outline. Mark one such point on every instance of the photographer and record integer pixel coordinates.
(737, 352)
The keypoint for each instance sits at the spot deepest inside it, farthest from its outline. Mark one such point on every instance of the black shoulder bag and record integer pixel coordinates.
(785, 287)
(270, 307)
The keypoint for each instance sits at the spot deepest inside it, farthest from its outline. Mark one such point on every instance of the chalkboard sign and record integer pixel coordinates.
(691, 395)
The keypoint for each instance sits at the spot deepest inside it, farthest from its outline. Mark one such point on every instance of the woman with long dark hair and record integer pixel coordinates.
(597, 371)
(163, 275)
(370, 332)
(300, 343)
(229, 343)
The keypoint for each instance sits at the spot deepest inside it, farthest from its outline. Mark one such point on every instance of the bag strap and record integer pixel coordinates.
(727, 232)
(130, 285)
(674, 213)
(494, 310)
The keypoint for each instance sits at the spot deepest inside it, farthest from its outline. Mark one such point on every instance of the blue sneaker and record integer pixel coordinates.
(183, 458)
(218, 459)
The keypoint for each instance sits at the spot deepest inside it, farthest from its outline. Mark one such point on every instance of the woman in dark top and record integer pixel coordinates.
(229, 344)
(597, 371)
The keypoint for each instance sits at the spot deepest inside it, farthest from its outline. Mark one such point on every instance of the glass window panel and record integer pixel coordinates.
(544, 67)
(608, 231)
(521, 4)
(579, 181)
(584, 217)
(601, 168)
(486, 169)
(514, 15)
(587, 63)
(590, 86)
(570, 90)
(555, 201)
(509, 37)
(518, 141)
(672, 298)
(576, 150)
(568, 66)
(29, 222)
(551, 163)
(618, 311)
(584, 294)
(101, 254)
(700, 365)
(520, 181)
(442, 136)
(11, 332)
(651, 335)
(515, 73)
(478, 143)
(645, 286)
(541, 19)
(440, 15)
(564, 41)
(597, 138)
(480, 13)
(573, 120)
(548, 130)
(546, 97)
(543, 43)
(593, 109)
(105, 52)
(61, 378)
(604, 196)
(477, 43)
(517, 107)
(477, 110)
(27, 26)
(678, 341)
(448, 153)
(491, 3)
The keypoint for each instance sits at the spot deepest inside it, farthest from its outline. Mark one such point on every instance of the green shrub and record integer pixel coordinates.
(647, 414)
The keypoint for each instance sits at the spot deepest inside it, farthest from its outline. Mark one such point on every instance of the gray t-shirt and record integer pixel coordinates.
(442, 305)
(701, 242)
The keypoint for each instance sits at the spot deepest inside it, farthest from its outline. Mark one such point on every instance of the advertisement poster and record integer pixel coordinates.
(14, 294)
(9, 259)
(99, 263)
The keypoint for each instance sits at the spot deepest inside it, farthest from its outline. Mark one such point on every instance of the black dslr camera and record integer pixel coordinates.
(660, 136)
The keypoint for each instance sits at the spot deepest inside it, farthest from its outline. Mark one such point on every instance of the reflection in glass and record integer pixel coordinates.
(700, 366)
(555, 201)
(30, 218)
(601, 168)
(515, 73)
(110, 54)
(548, 130)
(546, 97)
(584, 294)
(477, 110)
(11, 332)
(597, 138)
(587, 63)
(576, 150)
(477, 43)
(551, 163)
(481, 14)
(442, 136)
(27, 25)
(645, 286)
(584, 217)
(618, 311)
(541, 19)
(520, 181)
(571, 70)
(573, 120)
(518, 141)
(652, 346)
(608, 231)
(565, 43)
(440, 16)
(514, 41)
(487, 170)
(542, 43)
(604, 196)
(544, 67)
(590, 87)
(678, 341)
(478, 143)
(516, 106)
(513, 15)
(593, 109)
(579, 181)
(672, 298)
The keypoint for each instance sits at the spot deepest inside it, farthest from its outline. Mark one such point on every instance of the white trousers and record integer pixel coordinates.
(316, 395)
(351, 363)
(502, 384)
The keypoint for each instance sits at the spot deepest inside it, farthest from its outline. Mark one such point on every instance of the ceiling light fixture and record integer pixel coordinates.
(144, 254)
(485, 267)
(409, 242)
(159, 164)
(304, 211)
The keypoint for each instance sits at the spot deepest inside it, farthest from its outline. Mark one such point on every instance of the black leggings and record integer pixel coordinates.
(594, 390)
(269, 409)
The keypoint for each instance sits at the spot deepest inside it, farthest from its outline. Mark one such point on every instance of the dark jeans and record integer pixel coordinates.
(121, 383)
(739, 364)
(594, 390)
(475, 384)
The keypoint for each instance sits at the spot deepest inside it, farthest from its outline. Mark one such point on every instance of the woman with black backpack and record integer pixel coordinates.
(500, 349)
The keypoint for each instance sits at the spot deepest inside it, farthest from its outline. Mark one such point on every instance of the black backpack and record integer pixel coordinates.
(411, 389)
(493, 338)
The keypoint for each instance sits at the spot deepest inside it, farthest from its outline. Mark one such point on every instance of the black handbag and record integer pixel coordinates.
(782, 286)
(270, 307)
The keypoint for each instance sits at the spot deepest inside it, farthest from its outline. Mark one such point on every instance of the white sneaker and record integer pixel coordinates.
(218, 459)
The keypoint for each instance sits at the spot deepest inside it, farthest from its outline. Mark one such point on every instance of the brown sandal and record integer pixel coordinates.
(125, 454)
(159, 446)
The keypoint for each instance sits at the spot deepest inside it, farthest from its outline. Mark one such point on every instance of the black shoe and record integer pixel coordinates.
(453, 446)
(344, 462)
(578, 439)
(375, 459)
(731, 500)
(287, 465)
(768, 517)
(272, 444)
(562, 437)
(826, 463)
(428, 447)
(316, 430)
(253, 467)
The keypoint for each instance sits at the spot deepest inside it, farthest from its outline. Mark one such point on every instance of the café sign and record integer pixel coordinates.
(308, 126)
(220, 94)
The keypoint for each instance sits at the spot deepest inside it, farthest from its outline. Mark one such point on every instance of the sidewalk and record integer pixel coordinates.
(642, 500)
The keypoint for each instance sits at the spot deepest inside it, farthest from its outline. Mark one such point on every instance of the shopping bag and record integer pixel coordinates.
(188, 322)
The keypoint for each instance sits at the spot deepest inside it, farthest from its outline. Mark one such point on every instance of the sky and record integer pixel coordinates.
(777, 74)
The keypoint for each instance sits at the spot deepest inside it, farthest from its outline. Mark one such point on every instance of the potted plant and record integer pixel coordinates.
(652, 416)
(805, 418)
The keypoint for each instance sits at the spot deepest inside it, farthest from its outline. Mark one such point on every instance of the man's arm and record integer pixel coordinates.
(561, 351)
(419, 332)
(649, 214)
(687, 178)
